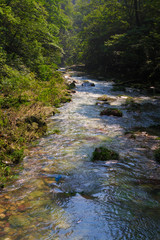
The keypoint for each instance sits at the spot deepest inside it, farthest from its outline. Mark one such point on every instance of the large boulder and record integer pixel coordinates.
(111, 112)
(72, 85)
(104, 154)
(87, 84)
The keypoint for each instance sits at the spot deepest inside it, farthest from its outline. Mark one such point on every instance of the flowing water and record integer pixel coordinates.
(60, 194)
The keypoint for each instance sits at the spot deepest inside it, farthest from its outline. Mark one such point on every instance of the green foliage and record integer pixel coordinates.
(31, 34)
(12, 101)
(45, 72)
(104, 154)
(17, 156)
(119, 36)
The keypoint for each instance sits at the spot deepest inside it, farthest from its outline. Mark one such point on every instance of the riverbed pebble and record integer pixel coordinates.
(2, 216)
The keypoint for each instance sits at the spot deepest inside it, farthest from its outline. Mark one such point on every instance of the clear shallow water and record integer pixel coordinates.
(91, 201)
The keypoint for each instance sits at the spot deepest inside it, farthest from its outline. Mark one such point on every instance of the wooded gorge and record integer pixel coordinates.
(79, 119)
(119, 38)
(30, 51)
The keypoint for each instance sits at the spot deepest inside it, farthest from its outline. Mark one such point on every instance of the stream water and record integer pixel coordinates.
(60, 194)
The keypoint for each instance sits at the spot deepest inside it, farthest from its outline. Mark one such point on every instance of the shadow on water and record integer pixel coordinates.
(61, 194)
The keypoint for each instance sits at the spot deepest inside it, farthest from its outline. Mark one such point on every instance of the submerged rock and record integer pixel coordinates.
(2, 216)
(111, 112)
(18, 221)
(104, 154)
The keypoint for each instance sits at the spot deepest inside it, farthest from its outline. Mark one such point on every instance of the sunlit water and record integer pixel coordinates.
(61, 194)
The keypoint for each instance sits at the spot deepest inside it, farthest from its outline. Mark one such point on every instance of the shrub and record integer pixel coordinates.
(17, 156)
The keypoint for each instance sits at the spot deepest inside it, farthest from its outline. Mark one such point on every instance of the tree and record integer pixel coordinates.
(121, 35)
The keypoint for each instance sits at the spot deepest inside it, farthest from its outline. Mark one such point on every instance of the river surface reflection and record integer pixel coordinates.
(60, 194)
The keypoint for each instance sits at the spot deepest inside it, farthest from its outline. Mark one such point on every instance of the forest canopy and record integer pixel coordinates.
(30, 35)
(119, 36)
(109, 36)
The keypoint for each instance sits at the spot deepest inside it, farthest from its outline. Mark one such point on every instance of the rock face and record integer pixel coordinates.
(111, 112)
(104, 154)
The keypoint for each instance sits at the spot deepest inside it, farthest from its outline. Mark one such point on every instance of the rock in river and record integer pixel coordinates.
(104, 154)
(112, 112)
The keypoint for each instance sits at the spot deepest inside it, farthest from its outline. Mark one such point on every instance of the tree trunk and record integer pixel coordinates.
(136, 13)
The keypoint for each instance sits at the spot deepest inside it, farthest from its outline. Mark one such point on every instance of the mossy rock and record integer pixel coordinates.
(157, 154)
(18, 221)
(104, 154)
(35, 194)
(111, 112)
(105, 98)
(36, 124)
(66, 99)
(35, 119)
(87, 83)
(72, 85)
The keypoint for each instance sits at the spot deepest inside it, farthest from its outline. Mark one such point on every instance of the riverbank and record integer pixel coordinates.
(120, 80)
(57, 182)
(24, 111)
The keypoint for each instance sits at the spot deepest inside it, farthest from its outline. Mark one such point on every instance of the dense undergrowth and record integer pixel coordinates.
(25, 103)
(31, 33)
(120, 39)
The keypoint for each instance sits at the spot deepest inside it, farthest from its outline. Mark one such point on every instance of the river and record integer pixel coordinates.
(61, 194)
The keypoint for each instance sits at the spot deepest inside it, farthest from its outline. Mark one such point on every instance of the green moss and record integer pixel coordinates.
(111, 112)
(54, 131)
(103, 98)
(19, 220)
(71, 85)
(12, 101)
(106, 98)
(104, 154)
(86, 81)
(132, 105)
(65, 99)
(129, 100)
(5, 174)
(17, 156)
(25, 103)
